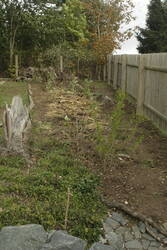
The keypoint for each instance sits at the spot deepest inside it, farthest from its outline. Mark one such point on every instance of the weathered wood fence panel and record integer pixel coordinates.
(144, 78)
(132, 75)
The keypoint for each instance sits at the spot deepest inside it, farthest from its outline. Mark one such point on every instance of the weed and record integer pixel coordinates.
(119, 135)
(73, 84)
(86, 89)
(106, 145)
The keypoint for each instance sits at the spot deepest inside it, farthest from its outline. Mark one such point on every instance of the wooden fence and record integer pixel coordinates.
(144, 78)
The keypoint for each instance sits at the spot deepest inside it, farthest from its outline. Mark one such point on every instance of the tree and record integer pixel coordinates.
(104, 21)
(31, 27)
(153, 38)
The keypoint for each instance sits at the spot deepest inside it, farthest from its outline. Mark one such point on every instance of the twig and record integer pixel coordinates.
(67, 208)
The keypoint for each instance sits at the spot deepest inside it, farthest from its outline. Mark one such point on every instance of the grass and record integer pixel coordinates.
(10, 89)
(39, 194)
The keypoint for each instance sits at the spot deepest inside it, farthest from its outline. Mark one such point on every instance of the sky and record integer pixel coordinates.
(140, 12)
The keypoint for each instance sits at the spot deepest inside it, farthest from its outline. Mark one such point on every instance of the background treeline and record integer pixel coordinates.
(153, 39)
(83, 32)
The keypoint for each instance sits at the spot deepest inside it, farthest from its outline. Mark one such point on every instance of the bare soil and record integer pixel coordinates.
(139, 180)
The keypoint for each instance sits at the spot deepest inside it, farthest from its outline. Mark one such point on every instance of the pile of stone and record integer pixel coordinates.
(121, 235)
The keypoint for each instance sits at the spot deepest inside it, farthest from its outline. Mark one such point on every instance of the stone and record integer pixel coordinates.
(161, 236)
(119, 218)
(155, 244)
(121, 230)
(52, 232)
(110, 225)
(145, 244)
(102, 240)
(142, 227)
(136, 232)
(165, 226)
(60, 240)
(115, 240)
(99, 246)
(134, 244)
(128, 236)
(152, 248)
(28, 237)
(148, 237)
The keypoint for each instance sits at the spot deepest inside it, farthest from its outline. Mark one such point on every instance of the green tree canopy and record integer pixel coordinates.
(153, 39)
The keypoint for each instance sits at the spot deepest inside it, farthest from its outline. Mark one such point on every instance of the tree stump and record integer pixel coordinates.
(16, 122)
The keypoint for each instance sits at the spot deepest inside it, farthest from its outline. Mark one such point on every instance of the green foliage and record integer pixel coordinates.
(87, 88)
(122, 135)
(153, 38)
(39, 195)
(12, 72)
(74, 19)
(106, 145)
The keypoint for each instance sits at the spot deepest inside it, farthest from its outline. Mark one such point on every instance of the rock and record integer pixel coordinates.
(136, 232)
(161, 236)
(115, 240)
(152, 248)
(60, 240)
(128, 236)
(107, 100)
(142, 227)
(148, 237)
(119, 218)
(102, 240)
(110, 225)
(121, 230)
(134, 244)
(155, 244)
(52, 232)
(99, 246)
(165, 226)
(145, 244)
(28, 237)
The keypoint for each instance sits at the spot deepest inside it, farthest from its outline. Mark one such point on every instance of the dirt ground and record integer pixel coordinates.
(139, 180)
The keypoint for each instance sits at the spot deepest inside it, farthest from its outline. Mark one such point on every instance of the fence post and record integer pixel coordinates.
(124, 73)
(61, 64)
(141, 86)
(109, 69)
(16, 66)
(115, 71)
(104, 72)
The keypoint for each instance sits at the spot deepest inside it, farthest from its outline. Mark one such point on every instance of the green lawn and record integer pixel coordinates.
(10, 89)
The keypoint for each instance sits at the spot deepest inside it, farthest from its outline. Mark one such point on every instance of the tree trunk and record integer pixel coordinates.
(61, 64)
(11, 54)
(16, 122)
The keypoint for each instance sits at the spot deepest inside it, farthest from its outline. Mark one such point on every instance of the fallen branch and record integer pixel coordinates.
(143, 218)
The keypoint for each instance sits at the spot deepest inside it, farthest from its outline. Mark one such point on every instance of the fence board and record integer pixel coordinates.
(153, 98)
